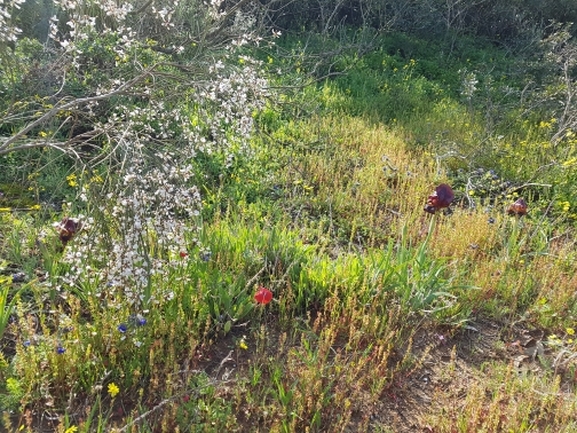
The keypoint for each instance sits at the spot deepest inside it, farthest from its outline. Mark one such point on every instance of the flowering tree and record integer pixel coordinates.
(99, 51)
(134, 92)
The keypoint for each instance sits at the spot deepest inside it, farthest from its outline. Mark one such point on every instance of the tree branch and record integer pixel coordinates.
(224, 20)
(6, 146)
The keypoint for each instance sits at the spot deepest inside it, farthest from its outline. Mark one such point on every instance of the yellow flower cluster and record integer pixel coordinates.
(72, 180)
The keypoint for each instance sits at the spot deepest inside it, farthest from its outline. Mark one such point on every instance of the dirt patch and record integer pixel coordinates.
(453, 365)
(448, 364)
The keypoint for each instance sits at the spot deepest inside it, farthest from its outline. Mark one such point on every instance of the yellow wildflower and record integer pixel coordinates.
(570, 331)
(544, 124)
(113, 389)
(71, 429)
(71, 179)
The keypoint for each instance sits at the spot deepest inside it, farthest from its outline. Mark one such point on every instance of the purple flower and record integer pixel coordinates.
(60, 350)
(122, 327)
(18, 277)
(140, 321)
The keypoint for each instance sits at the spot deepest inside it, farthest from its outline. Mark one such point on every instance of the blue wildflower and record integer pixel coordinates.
(123, 327)
(27, 343)
(18, 277)
(60, 350)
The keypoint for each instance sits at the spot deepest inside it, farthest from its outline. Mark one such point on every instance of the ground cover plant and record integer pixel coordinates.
(224, 217)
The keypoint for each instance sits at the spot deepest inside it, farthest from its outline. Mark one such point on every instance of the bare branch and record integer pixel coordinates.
(8, 145)
(224, 21)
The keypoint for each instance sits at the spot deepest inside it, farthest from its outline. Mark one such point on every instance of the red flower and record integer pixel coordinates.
(263, 296)
(441, 198)
(183, 254)
(518, 208)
